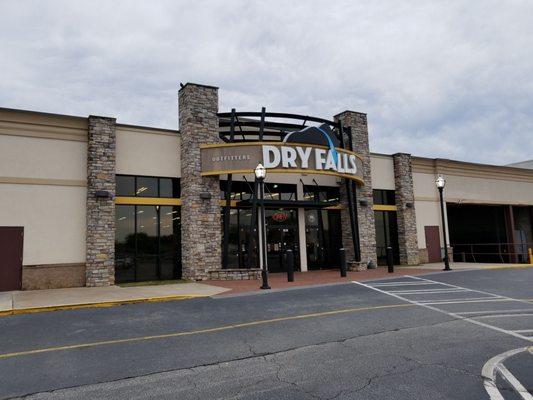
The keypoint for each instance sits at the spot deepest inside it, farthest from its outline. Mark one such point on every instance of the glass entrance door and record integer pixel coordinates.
(147, 243)
(386, 235)
(323, 238)
(282, 234)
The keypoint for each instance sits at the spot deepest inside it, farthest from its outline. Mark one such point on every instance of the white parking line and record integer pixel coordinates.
(501, 316)
(472, 290)
(461, 301)
(515, 383)
(451, 314)
(428, 291)
(516, 310)
(403, 284)
(495, 365)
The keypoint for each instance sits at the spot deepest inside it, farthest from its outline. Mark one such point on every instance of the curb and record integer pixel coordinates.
(102, 304)
(522, 266)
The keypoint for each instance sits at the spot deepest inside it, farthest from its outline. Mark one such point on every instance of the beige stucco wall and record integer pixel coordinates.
(474, 190)
(53, 218)
(468, 184)
(382, 171)
(42, 184)
(144, 151)
(32, 157)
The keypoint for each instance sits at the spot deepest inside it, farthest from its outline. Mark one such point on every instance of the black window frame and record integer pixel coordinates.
(322, 194)
(384, 197)
(271, 189)
(176, 186)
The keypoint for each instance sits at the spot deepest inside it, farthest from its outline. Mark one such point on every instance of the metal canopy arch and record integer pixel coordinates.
(274, 126)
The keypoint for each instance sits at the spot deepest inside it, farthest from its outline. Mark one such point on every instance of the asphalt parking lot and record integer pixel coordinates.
(458, 335)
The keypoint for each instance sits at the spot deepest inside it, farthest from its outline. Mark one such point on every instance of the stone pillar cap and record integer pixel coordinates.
(183, 86)
(349, 112)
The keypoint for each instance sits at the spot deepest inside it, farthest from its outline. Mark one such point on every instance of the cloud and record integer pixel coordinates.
(440, 79)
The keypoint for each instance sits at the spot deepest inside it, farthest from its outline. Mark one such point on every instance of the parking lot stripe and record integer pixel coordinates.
(453, 315)
(516, 310)
(429, 291)
(495, 365)
(501, 316)
(527, 301)
(461, 301)
(515, 383)
(402, 284)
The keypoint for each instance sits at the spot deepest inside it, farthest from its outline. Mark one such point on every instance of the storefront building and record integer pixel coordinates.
(92, 202)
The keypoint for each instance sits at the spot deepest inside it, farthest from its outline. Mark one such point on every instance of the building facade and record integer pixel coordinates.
(93, 202)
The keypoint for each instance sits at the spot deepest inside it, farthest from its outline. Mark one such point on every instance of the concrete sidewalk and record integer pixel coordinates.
(22, 302)
(278, 280)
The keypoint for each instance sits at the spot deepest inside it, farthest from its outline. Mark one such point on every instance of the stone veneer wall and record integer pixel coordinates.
(53, 276)
(423, 257)
(100, 261)
(365, 213)
(235, 274)
(346, 227)
(405, 204)
(201, 235)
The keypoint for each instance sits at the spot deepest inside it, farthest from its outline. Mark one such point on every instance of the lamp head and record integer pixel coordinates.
(260, 171)
(440, 182)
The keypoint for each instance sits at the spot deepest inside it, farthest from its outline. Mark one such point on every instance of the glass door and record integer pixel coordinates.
(323, 238)
(147, 243)
(386, 235)
(282, 234)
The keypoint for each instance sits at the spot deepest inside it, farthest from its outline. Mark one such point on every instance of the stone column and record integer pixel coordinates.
(365, 200)
(201, 237)
(346, 227)
(405, 204)
(100, 250)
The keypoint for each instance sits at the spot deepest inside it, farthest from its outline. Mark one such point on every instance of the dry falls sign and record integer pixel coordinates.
(311, 150)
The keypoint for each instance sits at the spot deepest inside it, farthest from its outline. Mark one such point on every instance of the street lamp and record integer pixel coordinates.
(260, 175)
(441, 182)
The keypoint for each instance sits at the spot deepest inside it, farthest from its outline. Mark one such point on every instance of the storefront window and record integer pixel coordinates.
(384, 197)
(322, 194)
(386, 235)
(279, 191)
(145, 186)
(169, 241)
(125, 243)
(147, 243)
(125, 185)
(244, 191)
(169, 188)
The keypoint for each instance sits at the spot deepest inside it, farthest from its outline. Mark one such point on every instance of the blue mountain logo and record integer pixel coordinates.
(318, 135)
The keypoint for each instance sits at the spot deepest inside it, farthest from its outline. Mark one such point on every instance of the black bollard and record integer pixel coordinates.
(289, 261)
(343, 262)
(390, 262)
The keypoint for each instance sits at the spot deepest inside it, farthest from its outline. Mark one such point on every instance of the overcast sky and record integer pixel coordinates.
(451, 79)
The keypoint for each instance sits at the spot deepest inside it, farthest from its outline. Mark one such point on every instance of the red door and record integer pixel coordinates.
(433, 243)
(11, 240)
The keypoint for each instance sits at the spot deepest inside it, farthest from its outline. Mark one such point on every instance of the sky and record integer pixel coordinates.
(448, 79)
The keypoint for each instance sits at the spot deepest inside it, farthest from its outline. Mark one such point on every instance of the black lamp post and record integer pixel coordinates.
(260, 174)
(441, 182)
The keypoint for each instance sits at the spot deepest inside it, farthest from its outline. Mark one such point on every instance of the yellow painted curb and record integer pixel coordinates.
(516, 266)
(102, 304)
